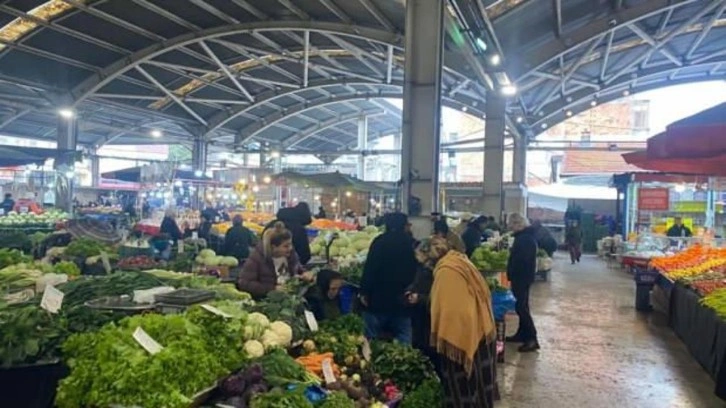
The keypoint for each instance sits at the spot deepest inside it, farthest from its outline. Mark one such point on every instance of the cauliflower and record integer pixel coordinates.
(270, 339)
(259, 319)
(254, 349)
(283, 332)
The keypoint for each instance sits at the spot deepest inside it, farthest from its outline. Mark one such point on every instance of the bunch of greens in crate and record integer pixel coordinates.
(28, 334)
(402, 364)
(10, 257)
(109, 367)
(225, 334)
(352, 273)
(85, 248)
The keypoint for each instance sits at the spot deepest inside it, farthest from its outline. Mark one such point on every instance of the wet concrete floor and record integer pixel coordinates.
(597, 350)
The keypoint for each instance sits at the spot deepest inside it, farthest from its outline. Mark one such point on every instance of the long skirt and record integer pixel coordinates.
(476, 390)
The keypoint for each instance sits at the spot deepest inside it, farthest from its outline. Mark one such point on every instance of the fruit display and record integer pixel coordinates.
(207, 257)
(716, 300)
(325, 224)
(222, 227)
(693, 261)
(488, 259)
(48, 219)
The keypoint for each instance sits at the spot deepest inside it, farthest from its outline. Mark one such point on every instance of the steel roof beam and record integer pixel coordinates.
(652, 42)
(214, 11)
(251, 9)
(336, 10)
(327, 124)
(171, 95)
(706, 30)
(113, 71)
(377, 14)
(295, 9)
(166, 14)
(226, 71)
(545, 53)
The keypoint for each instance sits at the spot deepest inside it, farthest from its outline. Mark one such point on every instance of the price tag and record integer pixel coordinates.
(312, 321)
(124, 235)
(180, 247)
(328, 374)
(146, 341)
(214, 310)
(195, 235)
(23, 210)
(106, 262)
(52, 299)
(366, 350)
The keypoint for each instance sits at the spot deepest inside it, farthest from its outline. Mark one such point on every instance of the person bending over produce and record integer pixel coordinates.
(418, 297)
(389, 269)
(521, 268)
(441, 229)
(324, 298)
(474, 233)
(238, 240)
(271, 264)
(462, 326)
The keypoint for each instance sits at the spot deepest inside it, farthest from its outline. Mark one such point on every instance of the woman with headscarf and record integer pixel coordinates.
(271, 264)
(463, 331)
(295, 220)
(324, 297)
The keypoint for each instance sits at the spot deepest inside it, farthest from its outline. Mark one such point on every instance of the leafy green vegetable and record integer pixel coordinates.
(10, 257)
(280, 399)
(67, 267)
(338, 399)
(108, 366)
(28, 334)
(402, 364)
(429, 394)
(85, 248)
(281, 369)
(285, 307)
(342, 336)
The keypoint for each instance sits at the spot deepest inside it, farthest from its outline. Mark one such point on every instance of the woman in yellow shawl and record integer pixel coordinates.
(462, 326)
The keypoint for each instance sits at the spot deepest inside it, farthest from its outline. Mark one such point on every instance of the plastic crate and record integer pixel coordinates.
(184, 297)
(348, 295)
(645, 276)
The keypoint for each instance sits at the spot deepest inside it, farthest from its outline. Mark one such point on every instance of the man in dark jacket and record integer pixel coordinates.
(238, 240)
(544, 238)
(521, 268)
(295, 220)
(389, 270)
(474, 233)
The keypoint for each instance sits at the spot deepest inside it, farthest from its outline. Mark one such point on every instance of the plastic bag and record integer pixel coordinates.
(147, 295)
(54, 279)
(502, 302)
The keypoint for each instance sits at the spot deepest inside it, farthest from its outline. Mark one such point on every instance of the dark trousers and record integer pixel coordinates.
(575, 252)
(378, 323)
(526, 330)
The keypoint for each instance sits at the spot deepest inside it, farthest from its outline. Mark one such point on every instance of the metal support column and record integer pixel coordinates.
(199, 166)
(519, 159)
(362, 146)
(64, 164)
(494, 155)
(95, 169)
(422, 106)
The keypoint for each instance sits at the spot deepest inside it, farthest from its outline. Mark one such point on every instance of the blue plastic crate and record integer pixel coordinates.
(348, 294)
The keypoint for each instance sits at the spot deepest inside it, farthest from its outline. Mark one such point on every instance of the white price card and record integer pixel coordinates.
(195, 235)
(312, 321)
(52, 299)
(214, 310)
(328, 374)
(124, 235)
(146, 341)
(106, 262)
(366, 350)
(180, 247)
(23, 210)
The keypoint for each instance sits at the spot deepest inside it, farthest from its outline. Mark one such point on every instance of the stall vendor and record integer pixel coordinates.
(678, 229)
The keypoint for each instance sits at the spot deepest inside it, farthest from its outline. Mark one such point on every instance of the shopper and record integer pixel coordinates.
(321, 213)
(295, 220)
(324, 297)
(8, 204)
(238, 240)
(418, 297)
(169, 226)
(573, 239)
(464, 221)
(389, 270)
(678, 230)
(493, 225)
(462, 326)
(474, 233)
(521, 268)
(441, 230)
(271, 264)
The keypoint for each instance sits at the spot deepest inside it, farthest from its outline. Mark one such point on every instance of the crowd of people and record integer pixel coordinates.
(406, 293)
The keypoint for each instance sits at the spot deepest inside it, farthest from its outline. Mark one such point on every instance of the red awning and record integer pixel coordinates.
(711, 166)
(697, 136)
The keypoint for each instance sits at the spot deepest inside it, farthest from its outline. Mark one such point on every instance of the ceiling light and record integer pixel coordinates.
(156, 133)
(66, 113)
(593, 103)
(495, 59)
(464, 109)
(481, 44)
(626, 92)
(520, 119)
(509, 90)
(568, 113)
(275, 154)
(198, 173)
(544, 126)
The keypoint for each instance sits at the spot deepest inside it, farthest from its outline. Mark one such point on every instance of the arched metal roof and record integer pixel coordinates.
(298, 73)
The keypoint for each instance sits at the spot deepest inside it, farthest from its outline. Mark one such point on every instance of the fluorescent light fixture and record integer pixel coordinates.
(495, 59)
(520, 119)
(509, 90)
(275, 154)
(544, 126)
(593, 103)
(626, 92)
(267, 179)
(198, 173)
(481, 44)
(464, 109)
(156, 133)
(66, 113)
(568, 113)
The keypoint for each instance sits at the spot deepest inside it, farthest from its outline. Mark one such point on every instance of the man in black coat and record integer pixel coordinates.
(295, 220)
(521, 268)
(238, 240)
(389, 270)
(474, 233)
